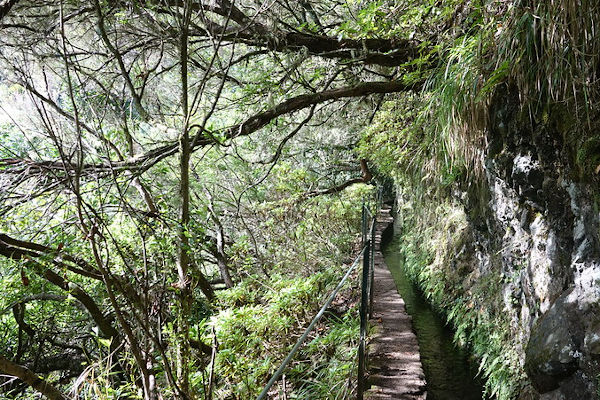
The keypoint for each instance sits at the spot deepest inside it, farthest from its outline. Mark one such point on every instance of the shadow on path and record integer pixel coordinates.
(394, 364)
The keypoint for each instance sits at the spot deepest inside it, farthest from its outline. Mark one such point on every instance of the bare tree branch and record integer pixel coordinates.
(35, 250)
(32, 379)
(75, 290)
(137, 101)
(366, 177)
(145, 161)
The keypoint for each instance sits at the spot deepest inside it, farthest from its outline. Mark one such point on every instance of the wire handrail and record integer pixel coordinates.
(367, 254)
(369, 219)
(310, 327)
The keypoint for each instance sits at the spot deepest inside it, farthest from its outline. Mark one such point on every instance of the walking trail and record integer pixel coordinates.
(394, 365)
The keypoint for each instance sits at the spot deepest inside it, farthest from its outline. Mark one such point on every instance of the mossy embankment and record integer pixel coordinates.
(495, 168)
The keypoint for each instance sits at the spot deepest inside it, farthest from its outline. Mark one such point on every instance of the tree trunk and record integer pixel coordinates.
(183, 244)
(219, 250)
(224, 270)
(29, 377)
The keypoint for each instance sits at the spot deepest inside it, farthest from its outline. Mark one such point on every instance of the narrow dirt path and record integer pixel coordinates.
(394, 364)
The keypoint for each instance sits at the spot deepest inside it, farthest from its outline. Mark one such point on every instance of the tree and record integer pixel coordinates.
(122, 104)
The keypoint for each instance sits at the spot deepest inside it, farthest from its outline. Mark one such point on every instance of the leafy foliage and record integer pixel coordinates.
(432, 145)
(117, 241)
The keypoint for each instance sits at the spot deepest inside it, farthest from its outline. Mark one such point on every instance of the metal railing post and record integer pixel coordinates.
(372, 265)
(363, 230)
(380, 197)
(364, 304)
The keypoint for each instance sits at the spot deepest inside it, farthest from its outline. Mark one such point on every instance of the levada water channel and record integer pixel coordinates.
(448, 372)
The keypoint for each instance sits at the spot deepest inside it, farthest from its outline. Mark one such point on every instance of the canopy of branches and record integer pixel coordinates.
(156, 152)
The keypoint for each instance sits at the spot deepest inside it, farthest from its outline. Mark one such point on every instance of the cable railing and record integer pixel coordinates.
(369, 220)
(367, 253)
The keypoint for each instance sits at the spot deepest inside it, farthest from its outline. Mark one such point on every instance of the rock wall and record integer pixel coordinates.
(533, 223)
(544, 222)
(544, 218)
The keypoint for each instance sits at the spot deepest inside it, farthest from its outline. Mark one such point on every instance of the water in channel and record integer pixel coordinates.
(447, 370)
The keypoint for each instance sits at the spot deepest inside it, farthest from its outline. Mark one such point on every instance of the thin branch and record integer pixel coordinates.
(137, 101)
(366, 177)
(32, 379)
(75, 290)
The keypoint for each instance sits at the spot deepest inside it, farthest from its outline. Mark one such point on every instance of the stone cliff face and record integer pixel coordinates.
(532, 227)
(542, 221)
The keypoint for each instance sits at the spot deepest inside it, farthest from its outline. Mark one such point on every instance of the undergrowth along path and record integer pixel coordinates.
(394, 363)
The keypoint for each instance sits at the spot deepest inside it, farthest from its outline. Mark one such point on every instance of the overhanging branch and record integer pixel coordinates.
(256, 122)
(365, 178)
(32, 379)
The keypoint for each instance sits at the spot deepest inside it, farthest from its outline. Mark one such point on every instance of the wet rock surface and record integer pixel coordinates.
(552, 354)
(540, 229)
(548, 225)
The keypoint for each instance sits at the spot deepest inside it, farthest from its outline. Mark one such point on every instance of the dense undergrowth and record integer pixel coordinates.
(259, 320)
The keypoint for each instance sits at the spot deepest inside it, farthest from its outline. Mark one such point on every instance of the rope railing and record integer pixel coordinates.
(367, 254)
